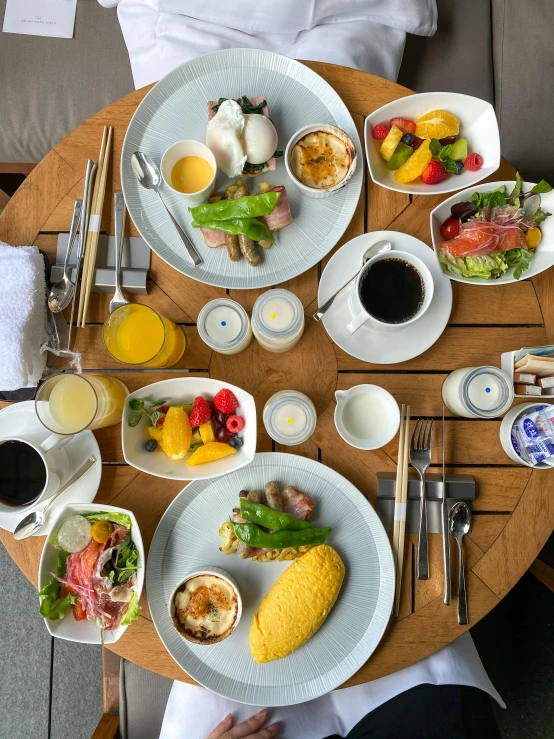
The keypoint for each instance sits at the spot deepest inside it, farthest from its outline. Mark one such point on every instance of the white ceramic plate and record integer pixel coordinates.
(186, 540)
(179, 391)
(20, 419)
(367, 344)
(478, 125)
(176, 108)
(544, 255)
(86, 632)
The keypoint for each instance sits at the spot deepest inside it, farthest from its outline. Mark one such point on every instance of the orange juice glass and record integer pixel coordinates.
(136, 334)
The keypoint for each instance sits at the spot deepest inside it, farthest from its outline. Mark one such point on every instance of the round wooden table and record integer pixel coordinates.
(514, 507)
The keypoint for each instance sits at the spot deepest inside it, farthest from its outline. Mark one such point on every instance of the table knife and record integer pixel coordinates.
(445, 532)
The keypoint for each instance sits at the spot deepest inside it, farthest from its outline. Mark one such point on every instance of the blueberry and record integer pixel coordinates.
(459, 166)
(236, 442)
(151, 445)
(408, 139)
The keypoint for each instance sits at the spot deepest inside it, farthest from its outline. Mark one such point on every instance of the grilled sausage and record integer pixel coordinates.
(249, 250)
(273, 496)
(254, 496)
(243, 550)
(233, 248)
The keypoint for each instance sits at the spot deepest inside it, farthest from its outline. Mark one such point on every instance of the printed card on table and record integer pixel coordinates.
(40, 17)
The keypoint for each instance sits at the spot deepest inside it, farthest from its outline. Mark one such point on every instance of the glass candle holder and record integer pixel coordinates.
(478, 392)
(289, 417)
(278, 320)
(224, 326)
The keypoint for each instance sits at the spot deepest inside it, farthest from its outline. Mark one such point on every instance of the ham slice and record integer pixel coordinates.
(296, 503)
(213, 238)
(281, 215)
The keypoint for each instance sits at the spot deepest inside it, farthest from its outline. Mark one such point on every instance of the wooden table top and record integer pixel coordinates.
(514, 507)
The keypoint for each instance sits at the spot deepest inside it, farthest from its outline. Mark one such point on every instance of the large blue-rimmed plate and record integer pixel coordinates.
(186, 540)
(176, 109)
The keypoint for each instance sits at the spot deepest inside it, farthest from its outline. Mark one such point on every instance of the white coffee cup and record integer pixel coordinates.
(56, 464)
(361, 315)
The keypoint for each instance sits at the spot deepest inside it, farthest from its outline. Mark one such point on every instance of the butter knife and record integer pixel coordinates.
(445, 531)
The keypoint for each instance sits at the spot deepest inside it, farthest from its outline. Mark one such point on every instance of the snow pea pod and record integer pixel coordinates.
(248, 206)
(270, 519)
(251, 227)
(252, 535)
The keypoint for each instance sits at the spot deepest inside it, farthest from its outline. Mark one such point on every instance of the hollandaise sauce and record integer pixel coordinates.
(191, 174)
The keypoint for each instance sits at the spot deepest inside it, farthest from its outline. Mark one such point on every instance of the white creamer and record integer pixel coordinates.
(366, 416)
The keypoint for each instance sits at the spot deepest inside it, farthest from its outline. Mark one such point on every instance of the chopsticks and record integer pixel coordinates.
(400, 503)
(93, 232)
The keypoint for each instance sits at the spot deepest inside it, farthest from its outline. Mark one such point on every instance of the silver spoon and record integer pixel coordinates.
(118, 299)
(35, 520)
(459, 522)
(62, 291)
(377, 248)
(149, 176)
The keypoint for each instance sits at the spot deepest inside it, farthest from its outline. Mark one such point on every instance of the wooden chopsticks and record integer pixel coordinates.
(93, 233)
(400, 503)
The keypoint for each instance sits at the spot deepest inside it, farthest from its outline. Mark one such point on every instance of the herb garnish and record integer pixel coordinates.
(137, 408)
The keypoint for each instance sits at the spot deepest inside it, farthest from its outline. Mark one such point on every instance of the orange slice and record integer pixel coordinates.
(438, 124)
(176, 433)
(210, 452)
(415, 166)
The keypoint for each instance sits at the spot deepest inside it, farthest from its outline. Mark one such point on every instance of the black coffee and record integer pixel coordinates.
(392, 290)
(22, 473)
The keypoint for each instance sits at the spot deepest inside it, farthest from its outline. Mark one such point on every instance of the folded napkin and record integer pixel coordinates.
(23, 316)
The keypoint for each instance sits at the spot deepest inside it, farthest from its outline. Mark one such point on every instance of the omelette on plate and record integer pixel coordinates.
(297, 605)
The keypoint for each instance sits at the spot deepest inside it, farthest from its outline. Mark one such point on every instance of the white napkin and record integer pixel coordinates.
(23, 316)
(192, 712)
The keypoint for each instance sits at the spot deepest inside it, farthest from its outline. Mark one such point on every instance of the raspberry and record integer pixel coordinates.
(434, 173)
(473, 162)
(380, 131)
(225, 401)
(200, 413)
(234, 424)
(404, 124)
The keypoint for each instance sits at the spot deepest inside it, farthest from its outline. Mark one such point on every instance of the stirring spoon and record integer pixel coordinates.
(62, 291)
(149, 176)
(459, 521)
(377, 248)
(35, 520)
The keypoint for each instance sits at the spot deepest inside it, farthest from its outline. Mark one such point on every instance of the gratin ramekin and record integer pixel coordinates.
(188, 148)
(313, 192)
(217, 572)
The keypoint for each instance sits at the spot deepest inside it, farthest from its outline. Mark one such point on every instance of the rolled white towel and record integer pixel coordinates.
(22, 317)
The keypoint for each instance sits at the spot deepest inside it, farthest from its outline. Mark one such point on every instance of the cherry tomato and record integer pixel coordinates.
(450, 228)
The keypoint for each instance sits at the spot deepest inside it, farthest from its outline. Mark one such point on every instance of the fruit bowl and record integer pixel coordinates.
(478, 125)
(179, 391)
(544, 255)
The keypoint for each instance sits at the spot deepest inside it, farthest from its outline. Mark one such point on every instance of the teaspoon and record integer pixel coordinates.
(459, 522)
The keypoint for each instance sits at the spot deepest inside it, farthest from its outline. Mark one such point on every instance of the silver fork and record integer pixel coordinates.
(420, 459)
(118, 299)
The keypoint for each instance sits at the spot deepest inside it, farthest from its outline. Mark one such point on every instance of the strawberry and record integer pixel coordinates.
(200, 413)
(380, 131)
(404, 124)
(225, 401)
(434, 173)
(234, 424)
(473, 162)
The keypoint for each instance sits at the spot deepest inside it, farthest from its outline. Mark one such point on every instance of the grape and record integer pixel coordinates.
(220, 417)
(223, 434)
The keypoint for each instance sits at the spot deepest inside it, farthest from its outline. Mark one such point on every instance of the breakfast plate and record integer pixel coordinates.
(21, 419)
(187, 541)
(175, 109)
(368, 344)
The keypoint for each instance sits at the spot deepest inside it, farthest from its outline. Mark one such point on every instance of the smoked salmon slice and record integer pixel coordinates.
(478, 238)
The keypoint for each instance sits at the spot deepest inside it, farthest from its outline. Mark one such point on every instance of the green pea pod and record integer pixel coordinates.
(249, 206)
(251, 227)
(252, 535)
(270, 519)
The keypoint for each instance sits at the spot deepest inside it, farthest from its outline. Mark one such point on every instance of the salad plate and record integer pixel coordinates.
(186, 540)
(369, 344)
(175, 109)
(484, 268)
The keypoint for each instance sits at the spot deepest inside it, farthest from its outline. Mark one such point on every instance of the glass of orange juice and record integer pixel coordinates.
(136, 334)
(68, 403)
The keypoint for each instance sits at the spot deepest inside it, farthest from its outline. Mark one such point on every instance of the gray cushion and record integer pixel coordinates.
(142, 700)
(48, 86)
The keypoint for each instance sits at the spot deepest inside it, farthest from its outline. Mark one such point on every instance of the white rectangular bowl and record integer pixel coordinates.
(478, 125)
(85, 632)
(179, 391)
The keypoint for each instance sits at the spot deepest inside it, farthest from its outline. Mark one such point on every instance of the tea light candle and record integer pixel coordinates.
(224, 326)
(278, 320)
(478, 392)
(289, 417)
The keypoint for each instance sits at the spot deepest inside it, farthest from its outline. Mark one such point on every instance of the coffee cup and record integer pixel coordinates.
(31, 471)
(391, 290)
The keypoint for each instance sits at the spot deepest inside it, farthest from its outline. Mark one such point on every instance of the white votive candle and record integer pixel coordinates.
(289, 417)
(224, 326)
(478, 392)
(278, 320)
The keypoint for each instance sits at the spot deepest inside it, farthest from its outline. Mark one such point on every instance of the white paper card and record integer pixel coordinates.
(40, 17)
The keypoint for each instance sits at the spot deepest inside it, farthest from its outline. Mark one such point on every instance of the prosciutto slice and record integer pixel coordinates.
(281, 216)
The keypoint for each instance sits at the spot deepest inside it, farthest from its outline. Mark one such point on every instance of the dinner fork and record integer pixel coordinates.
(118, 299)
(420, 459)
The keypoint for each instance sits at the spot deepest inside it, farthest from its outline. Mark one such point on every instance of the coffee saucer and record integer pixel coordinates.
(20, 419)
(367, 343)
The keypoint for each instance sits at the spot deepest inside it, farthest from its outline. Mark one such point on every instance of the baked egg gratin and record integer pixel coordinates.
(321, 159)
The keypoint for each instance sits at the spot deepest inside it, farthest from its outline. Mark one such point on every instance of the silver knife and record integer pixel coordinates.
(445, 533)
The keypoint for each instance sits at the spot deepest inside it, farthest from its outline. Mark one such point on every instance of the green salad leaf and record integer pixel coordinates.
(520, 259)
(516, 192)
(249, 206)
(484, 199)
(51, 607)
(133, 611)
(251, 227)
(122, 519)
(489, 267)
(541, 187)
(126, 564)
